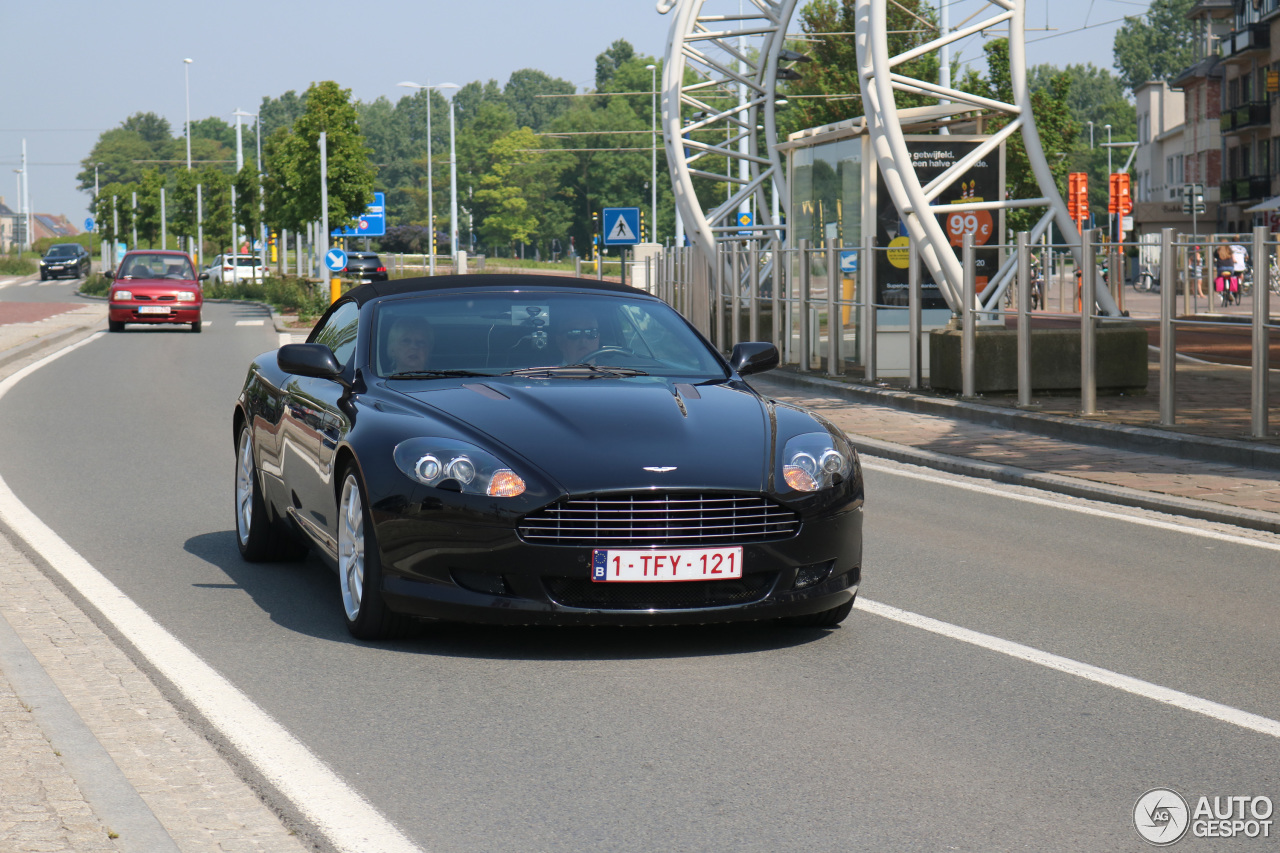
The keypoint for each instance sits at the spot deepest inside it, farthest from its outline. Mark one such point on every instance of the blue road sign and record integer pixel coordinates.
(849, 260)
(372, 224)
(744, 221)
(88, 224)
(335, 260)
(621, 226)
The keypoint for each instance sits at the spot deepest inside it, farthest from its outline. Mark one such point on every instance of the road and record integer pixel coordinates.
(877, 736)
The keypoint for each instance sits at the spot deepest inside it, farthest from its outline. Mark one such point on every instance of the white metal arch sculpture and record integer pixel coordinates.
(704, 45)
(703, 40)
(879, 80)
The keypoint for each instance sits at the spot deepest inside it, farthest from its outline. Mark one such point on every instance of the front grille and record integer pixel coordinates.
(656, 519)
(676, 595)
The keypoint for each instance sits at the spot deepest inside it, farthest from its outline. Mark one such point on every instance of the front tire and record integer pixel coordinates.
(360, 568)
(195, 327)
(115, 325)
(258, 539)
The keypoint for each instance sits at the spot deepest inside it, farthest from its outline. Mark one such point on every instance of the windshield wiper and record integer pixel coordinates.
(434, 374)
(580, 371)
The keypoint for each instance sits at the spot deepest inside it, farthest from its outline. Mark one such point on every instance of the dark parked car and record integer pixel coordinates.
(155, 287)
(65, 259)
(534, 449)
(364, 267)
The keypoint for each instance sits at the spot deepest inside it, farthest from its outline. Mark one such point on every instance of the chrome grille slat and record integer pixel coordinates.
(655, 520)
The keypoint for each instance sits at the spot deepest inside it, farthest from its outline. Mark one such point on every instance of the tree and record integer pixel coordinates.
(148, 212)
(1094, 94)
(526, 92)
(1157, 45)
(509, 219)
(1054, 124)
(833, 73)
(281, 112)
(293, 162)
(152, 128)
(608, 63)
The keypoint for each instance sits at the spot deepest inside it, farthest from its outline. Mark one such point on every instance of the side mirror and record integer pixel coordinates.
(109, 275)
(308, 360)
(204, 276)
(753, 357)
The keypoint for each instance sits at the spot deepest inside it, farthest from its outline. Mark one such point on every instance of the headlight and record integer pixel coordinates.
(186, 296)
(815, 460)
(122, 296)
(436, 461)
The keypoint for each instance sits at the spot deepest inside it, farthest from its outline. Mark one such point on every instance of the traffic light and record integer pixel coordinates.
(1078, 195)
(1120, 203)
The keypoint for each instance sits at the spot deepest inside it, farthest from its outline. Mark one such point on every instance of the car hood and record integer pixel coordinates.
(601, 434)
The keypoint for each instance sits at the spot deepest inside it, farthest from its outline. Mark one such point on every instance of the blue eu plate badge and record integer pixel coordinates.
(599, 565)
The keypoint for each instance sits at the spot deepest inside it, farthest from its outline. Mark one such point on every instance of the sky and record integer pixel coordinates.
(77, 68)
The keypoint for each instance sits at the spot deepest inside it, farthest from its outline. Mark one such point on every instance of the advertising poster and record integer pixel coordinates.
(932, 156)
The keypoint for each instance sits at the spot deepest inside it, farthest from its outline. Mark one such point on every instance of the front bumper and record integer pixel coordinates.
(488, 575)
(179, 312)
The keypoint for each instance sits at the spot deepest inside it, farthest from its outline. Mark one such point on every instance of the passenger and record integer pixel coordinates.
(409, 343)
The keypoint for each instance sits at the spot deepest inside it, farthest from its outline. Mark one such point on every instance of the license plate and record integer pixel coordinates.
(701, 564)
(153, 309)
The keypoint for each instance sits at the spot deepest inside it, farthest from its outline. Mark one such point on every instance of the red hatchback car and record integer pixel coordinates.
(155, 287)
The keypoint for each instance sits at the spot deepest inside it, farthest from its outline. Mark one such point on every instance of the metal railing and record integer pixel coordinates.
(822, 320)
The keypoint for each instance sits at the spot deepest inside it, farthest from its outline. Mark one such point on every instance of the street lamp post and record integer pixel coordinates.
(431, 210)
(239, 114)
(453, 179)
(1110, 216)
(653, 145)
(186, 79)
(21, 243)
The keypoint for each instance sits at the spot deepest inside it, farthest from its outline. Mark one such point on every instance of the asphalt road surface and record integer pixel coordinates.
(880, 735)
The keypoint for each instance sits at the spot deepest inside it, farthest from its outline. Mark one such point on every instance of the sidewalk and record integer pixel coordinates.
(96, 758)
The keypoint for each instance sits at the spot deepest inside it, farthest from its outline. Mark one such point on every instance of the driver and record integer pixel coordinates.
(409, 343)
(577, 335)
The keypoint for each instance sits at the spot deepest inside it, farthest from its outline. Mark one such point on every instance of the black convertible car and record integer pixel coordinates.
(534, 449)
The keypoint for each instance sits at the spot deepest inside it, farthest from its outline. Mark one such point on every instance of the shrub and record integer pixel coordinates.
(12, 265)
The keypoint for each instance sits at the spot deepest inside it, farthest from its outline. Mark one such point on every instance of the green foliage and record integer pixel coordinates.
(89, 241)
(526, 93)
(608, 63)
(1055, 125)
(1094, 94)
(13, 265)
(833, 73)
(96, 284)
(1156, 46)
(288, 295)
(281, 112)
(292, 162)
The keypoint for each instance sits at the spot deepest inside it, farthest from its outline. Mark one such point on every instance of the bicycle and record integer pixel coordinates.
(1146, 281)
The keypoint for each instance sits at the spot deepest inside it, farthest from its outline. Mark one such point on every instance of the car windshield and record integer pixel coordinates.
(60, 250)
(156, 266)
(538, 333)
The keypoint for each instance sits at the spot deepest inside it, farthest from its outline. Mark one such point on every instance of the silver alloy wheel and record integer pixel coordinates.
(244, 488)
(351, 547)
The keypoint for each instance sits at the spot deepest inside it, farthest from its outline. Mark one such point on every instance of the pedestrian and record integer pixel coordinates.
(1223, 267)
(1197, 270)
(1239, 259)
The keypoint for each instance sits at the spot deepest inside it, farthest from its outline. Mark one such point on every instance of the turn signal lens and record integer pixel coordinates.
(799, 479)
(505, 484)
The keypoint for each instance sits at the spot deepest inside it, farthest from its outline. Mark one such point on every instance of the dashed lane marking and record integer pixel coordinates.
(250, 322)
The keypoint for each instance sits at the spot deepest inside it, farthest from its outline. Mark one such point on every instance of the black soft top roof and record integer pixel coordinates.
(431, 284)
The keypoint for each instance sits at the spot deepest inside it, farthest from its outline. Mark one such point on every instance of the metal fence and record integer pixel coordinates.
(822, 320)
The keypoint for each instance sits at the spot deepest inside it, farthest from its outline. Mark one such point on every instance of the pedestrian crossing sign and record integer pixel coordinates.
(621, 226)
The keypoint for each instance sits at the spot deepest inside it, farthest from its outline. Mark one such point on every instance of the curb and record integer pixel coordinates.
(1115, 436)
(1121, 495)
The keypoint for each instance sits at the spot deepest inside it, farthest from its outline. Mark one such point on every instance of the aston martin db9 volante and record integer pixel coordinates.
(534, 449)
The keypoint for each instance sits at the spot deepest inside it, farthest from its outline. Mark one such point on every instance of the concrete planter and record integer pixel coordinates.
(1055, 360)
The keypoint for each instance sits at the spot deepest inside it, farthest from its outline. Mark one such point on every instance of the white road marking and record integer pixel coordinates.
(349, 821)
(250, 322)
(1106, 677)
(284, 338)
(1071, 507)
